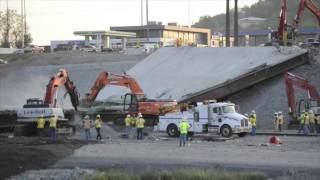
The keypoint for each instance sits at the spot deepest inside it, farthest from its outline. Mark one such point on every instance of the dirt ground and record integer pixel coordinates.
(297, 158)
(18, 154)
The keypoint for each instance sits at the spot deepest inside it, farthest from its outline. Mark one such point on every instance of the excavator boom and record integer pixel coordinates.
(292, 80)
(107, 78)
(315, 10)
(61, 78)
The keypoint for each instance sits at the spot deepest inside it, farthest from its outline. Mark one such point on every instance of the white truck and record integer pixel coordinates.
(220, 118)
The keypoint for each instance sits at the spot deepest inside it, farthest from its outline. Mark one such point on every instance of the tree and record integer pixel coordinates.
(11, 30)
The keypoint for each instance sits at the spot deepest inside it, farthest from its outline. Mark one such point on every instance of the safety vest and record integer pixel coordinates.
(41, 123)
(184, 127)
(253, 120)
(98, 123)
(140, 123)
(311, 117)
(302, 117)
(127, 121)
(133, 121)
(280, 119)
(53, 122)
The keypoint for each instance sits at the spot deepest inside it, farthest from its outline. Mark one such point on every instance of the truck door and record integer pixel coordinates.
(213, 117)
(197, 126)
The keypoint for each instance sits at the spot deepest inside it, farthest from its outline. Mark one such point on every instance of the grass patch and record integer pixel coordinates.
(181, 174)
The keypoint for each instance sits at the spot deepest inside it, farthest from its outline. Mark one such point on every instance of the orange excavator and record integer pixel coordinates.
(134, 102)
(60, 79)
(47, 108)
(311, 103)
(313, 8)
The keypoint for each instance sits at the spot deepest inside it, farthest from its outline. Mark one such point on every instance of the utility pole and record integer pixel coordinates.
(147, 18)
(227, 25)
(141, 12)
(236, 38)
(6, 41)
(22, 24)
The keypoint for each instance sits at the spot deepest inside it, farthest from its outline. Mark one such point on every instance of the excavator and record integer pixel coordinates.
(311, 103)
(133, 102)
(35, 107)
(287, 32)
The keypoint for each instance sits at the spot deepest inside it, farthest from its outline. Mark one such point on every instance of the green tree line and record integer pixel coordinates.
(268, 9)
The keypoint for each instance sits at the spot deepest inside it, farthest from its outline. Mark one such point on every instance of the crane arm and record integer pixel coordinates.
(61, 78)
(107, 78)
(311, 6)
(292, 80)
(283, 20)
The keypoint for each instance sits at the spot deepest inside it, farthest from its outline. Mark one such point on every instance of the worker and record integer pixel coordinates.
(312, 121)
(40, 125)
(301, 121)
(276, 121)
(98, 124)
(140, 125)
(183, 128)
(87, 124)
(127, 122)
(280, 121)
(306, 123)
(53, 126)
(317, 122)
(253, 121)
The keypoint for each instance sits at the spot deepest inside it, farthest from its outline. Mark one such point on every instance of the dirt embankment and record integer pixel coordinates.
(18, 154)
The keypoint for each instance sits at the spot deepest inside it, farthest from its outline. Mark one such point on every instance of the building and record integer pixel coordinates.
(166, 35)
(101, 39)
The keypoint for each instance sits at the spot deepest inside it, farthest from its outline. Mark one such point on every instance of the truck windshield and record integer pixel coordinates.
(228, 109)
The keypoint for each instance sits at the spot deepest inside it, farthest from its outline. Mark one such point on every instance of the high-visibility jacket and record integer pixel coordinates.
(302, 118)
(127, 121)
(311, 117)
(140, 123)
(53, 122)
(184, 127)
(133, 121)
(40, 123)
(98, 123)
(253, 120)
(280, 119)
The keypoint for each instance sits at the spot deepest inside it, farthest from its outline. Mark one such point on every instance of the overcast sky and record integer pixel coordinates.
(57, 19)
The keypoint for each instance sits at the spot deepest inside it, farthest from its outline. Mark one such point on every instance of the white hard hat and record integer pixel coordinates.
(139, 114)
(253, 111)
(310, 111)
(86, 117)
(128, 115)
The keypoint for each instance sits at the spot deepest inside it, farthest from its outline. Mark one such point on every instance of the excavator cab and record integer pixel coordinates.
(130, 103)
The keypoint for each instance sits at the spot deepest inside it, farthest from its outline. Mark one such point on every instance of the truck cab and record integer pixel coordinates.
(220, 118)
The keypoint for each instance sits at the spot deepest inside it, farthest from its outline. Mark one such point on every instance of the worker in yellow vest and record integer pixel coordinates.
(183, 128)
(301, 121)
(98, 124)
(280, 121)
(127, 122)
(140, 125)
(312, 121)
(40, 125)
(53, 126)
(253, 121)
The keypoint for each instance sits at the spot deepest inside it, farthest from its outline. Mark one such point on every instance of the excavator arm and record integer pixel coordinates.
(107, 78)
(61, 78)
(311, 6)
(292, 80)
(283, 20)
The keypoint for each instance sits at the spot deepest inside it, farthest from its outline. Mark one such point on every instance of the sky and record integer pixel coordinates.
(58, 19)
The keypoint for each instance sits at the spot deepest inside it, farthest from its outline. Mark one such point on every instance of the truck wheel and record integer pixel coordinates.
(172, 130)
(226, 131)
(243, 134)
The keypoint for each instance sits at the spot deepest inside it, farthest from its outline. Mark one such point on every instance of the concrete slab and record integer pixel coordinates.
(181, 73)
